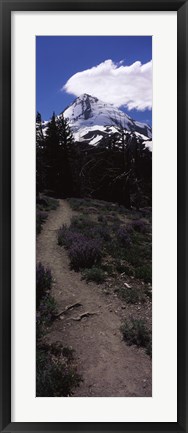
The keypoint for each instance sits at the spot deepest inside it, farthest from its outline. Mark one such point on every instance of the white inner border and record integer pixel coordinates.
(162, 406)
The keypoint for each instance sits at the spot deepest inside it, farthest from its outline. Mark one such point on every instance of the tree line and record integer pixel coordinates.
(119, 169)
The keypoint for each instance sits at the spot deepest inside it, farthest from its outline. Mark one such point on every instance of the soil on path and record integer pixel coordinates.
(107, 365)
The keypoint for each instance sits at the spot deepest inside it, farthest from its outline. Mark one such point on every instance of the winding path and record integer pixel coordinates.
(108, 366)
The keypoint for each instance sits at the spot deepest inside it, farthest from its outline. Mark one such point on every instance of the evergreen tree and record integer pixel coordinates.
(40, 165)
(51, 155)
(119, 169)
(118, 172)
(65, 134)
(66, 150)
(58, 148)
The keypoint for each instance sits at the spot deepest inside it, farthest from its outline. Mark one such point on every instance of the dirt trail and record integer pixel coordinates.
(108, 366)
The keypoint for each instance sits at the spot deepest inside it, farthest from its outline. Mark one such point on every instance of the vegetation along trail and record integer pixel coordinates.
(108, 366)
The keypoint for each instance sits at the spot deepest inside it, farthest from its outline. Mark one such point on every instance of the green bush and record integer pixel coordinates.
(45, 303)
(144, 273)
(136, 332)
(131, 295)
(57, 349)
(46, 312)
(41, 217)
(78, 203)
(123, 268)
(108, 268)
(46, 203)
(132, 255)
(115, 250)
(49, 306)
(53, 377)
(94, 274)
(68, 353)
(81, 223)
(43, 206)
(43, 281)
(63, 236)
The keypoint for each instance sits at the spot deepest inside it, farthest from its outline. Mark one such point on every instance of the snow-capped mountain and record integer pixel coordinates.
(91, 120)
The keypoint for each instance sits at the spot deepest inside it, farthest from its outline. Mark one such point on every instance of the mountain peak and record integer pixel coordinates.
(86, 97)
(87, 113)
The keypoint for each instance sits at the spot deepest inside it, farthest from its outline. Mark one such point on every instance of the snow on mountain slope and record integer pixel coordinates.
(88, 111)
(96, 133)
(95, 122)
(148, 145)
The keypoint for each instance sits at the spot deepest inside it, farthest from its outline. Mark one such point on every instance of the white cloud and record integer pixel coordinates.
(129, 86)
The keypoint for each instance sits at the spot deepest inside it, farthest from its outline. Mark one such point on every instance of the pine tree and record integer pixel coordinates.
(66, 156)
(51, 151)
(40, 165)
(65, 134)
(58, 149)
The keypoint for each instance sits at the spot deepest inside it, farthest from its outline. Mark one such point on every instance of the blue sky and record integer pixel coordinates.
(59, 58)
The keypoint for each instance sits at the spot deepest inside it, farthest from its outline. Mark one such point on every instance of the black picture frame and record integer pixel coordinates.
(6, 7)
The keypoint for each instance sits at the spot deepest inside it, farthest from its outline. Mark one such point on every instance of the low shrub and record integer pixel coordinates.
(43, 206)
(46, 203)
(139, 226)
(43, 282)
(123, 268)
(132, 255)
(84, 241)
(100, 232)
(68, 353)
(67, 237)
(80, 230)
(41, 216)
(46, 312)
(144, 273)
(85, 253)
(77, 203)
(62, 235)
(57, 349)
(52, 203)
(108, 268)
(48, 307)
(136, 332)
(41, 201)
(123, 236)
(114, 249)
(53, 377)
(81, 223)
(94, 274)
(131, 295)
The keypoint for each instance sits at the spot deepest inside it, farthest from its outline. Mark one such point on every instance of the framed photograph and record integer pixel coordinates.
(93, 216)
